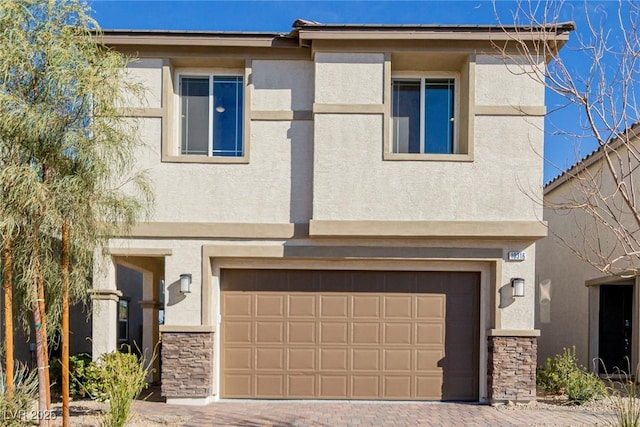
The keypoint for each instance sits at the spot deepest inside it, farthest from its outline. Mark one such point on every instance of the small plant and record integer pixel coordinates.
(120, 377)
(624, 398)
(79, 376)
(563, 375)
(14, 407)
(584, 386)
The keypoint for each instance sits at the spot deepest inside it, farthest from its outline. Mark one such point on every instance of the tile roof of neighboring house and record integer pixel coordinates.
(589, 159)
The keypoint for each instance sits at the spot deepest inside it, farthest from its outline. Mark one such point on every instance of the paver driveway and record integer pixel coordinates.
(251, 413)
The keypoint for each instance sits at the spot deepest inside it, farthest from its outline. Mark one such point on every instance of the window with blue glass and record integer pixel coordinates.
(423, 114)
(211, 111)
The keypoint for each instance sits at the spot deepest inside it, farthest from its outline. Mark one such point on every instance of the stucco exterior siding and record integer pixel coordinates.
(275, 187)
(349, 78)
(147, 74)
(563, 276)
(518, 313)
(371, 188)
(571, 317)
(505, 82)
(282, 85)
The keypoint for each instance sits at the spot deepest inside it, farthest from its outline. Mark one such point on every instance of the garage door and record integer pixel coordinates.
(305, 334)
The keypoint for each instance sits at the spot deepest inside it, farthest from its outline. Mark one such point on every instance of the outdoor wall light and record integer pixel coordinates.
(517, 286)
(185, 283)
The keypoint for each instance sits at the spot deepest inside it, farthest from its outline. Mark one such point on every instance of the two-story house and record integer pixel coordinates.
(339, 213)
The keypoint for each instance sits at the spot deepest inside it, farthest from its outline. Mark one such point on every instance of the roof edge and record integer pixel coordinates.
(591, 158)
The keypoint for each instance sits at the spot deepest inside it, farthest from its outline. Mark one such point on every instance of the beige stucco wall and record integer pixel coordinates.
(285, 154)
(147, 75)
(518, 313)
(273, 188)
(282, 85)
(503, 82)
(495, 186)
(571, 318)
(349, 78)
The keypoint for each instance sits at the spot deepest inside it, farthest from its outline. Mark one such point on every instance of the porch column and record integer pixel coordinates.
(149, 336)
(104, 296)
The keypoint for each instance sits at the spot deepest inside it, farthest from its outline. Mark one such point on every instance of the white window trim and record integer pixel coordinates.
(456, 110)
(210, 73)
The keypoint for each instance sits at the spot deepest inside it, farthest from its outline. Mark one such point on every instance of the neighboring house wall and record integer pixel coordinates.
(568, 298)
(318, 188)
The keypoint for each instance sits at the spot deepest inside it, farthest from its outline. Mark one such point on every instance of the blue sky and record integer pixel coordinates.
(277, 16)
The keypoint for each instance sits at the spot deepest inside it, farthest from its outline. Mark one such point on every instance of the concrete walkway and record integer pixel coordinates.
(251, 413)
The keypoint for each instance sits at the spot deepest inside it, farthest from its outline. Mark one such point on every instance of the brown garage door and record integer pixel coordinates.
(305, 334)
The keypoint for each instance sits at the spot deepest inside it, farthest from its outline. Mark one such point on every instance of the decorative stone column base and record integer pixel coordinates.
(512, 369)
(187, 366)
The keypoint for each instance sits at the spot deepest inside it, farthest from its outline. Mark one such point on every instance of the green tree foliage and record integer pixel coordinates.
(66, 150)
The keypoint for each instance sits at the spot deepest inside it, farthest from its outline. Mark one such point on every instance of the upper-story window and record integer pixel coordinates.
(211, 112)
(423, 112)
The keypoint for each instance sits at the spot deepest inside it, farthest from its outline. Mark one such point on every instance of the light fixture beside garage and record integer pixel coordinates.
(185, 283)
(517, 286)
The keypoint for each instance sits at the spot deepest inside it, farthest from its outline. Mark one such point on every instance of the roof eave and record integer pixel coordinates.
(194, 39)
(423, 35)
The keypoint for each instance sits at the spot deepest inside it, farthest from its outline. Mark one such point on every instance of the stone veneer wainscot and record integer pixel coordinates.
(511, 372)
(187, 364)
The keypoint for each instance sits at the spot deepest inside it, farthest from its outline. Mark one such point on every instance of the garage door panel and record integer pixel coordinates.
(365, 386)
(397, 387)
(237, 305)
(269, 332)
(237, 385)
(301, 386)
(333, 359)
(365, 359)
(397, 307)
(430, 307)
(269, 385)
(270, 305)
(365, 307)
(365, 333)
(333, 386)
(237, 332)
(397, 360)
(301, 359)
(429, 360)
(333, 333)
(334, 306)
(350, 335)
(302, 332)
(428, 387)
(238, 358)
(397, 333)
(431, 334)
(302, 306)
(270, 359)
